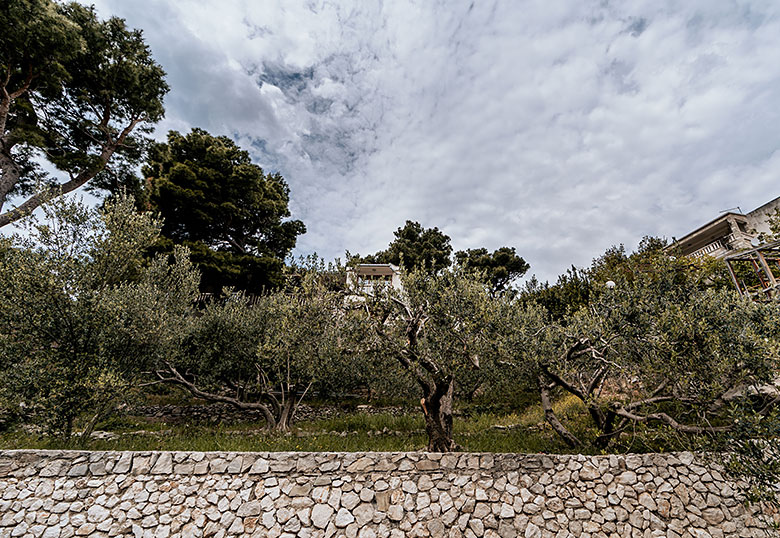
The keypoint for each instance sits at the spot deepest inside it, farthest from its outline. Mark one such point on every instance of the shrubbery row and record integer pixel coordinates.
(88, 319)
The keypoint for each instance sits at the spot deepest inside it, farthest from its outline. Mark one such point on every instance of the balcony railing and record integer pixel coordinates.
(733, 241)
(712, 247)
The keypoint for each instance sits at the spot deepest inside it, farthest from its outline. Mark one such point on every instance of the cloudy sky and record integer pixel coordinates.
(556, 127)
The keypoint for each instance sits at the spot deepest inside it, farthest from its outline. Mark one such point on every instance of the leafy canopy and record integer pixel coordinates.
(265, 352)
(664, 348)
(579, 286)
(497, 269)
(437, 328)
(416, 248)
(84, 313)
(76, 91)
(231, 214)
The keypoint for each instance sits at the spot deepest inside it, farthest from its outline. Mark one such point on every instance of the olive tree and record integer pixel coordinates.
(660, 350)
(435, 329)
(263, 353)
(83, 313)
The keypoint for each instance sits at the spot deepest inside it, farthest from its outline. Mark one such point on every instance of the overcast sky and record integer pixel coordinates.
(556, 127)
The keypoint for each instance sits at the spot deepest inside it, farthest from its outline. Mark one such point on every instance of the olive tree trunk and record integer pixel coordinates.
(437, 409)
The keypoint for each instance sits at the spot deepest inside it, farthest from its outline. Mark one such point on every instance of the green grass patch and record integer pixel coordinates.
(365, 422)
(218, 441)
(514, 441)
(487, 441)
(477, 429)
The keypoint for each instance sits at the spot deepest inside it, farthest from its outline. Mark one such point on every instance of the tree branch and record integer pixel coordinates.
(669, 421)
(178, 379)
(551, 417)
(558, 380)
(235, 243)
(37, 199)
(768, 407)
(597, 379)
(9, 174)
(23, 88)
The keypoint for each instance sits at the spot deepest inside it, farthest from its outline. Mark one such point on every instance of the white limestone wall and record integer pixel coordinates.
(55, 494)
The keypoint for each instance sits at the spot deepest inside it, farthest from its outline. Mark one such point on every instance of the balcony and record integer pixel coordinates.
(731, 242)
(718, 244)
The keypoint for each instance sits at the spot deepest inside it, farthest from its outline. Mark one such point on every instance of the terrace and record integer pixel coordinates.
(756, 272)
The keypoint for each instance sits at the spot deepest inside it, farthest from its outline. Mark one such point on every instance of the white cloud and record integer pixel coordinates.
(556, 127)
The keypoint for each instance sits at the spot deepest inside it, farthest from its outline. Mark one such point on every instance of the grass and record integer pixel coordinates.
(364, 422)
(217, 441)
(487, 441)
(517, 430)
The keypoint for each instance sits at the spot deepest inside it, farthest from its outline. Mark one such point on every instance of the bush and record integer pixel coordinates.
(83, 313)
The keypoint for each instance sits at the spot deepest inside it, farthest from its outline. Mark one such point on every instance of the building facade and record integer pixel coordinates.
(728, 233)
(364, 277)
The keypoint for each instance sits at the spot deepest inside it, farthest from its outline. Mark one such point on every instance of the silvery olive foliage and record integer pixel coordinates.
(84, 314)
(266, 353)
(659, 349)
(436, 329)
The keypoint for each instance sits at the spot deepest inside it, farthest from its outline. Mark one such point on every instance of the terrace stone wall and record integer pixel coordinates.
(55, 494)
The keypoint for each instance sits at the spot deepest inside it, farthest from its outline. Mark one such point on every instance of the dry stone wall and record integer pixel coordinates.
(54, 494)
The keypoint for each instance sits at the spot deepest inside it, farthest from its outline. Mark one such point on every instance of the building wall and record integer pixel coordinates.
(759, 217)
(728, 233)
(366, 495)
(358, 278)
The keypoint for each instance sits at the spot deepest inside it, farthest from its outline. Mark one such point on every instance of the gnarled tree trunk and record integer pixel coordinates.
(552, 418)
(286, 415)
(173, 376)
(437, 409)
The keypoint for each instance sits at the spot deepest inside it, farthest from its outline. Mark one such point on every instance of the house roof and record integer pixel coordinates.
(384, 269)
(714, 229)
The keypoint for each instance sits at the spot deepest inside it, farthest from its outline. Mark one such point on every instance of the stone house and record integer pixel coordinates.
(364, 277)
(728, 233)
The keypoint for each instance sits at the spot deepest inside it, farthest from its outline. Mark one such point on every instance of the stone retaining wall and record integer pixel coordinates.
(55, 494)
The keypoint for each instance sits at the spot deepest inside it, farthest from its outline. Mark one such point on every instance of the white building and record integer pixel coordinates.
(365, 276)
(728, 233)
